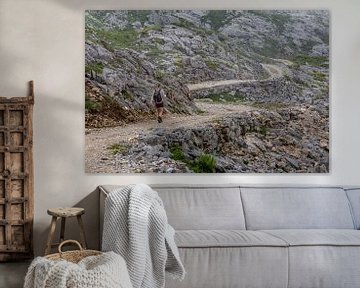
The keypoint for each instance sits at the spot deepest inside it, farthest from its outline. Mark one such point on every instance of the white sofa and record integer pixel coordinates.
(264, 237)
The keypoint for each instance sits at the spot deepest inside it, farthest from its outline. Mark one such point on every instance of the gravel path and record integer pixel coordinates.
(98, 156)
(99, 159)
(273, 70)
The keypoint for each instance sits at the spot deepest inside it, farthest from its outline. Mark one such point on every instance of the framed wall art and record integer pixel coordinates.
(207, 91)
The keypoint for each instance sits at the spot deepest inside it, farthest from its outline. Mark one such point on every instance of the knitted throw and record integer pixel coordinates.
(102, 271)
(136, 227)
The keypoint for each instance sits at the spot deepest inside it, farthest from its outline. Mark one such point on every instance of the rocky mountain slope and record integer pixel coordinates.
(276, 61)
(127, 52)
(288, 140)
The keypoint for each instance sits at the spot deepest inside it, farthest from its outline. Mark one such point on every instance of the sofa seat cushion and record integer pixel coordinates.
(317, 237)
(225, 238)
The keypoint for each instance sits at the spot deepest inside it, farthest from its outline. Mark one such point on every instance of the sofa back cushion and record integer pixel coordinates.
(354, 198)
(203, 208)
(296, 208)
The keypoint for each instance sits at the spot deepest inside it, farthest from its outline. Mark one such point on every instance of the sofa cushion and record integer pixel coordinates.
(354, 198)
(204, 208)
(225, 267)
(225, 238)
(199, 207)
(296, 208)
(324, 266)
(315, 237)
(327, 258)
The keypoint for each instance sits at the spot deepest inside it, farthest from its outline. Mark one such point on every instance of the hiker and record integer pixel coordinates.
(158, 99)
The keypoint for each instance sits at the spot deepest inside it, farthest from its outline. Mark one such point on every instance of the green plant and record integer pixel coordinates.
(138, 15)
(147, 29)
(319, 76)
(178, 62)
(216, 18)
(154, 51)
(226, 98)
(279, 19)
(127, 94)
(159, 41)
(159, 74)
(271, 48)
(117, 38)
(211, 64)
(97, 67)
(177, 153)
(206, 163)
(117, 148)
(92, 106)
(263, 130)
(316, 61)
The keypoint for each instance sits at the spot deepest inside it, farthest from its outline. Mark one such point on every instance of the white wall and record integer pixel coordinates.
(43, 40)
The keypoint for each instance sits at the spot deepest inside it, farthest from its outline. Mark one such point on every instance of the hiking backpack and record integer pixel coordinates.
(157, 97)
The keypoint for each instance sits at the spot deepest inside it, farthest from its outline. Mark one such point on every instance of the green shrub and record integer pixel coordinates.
(117, 148)
(263, 130)
(97, 67)
(271, 48)
(226, 97)
(138, 15)
(211, 64)
(92, 106)
(159, 74)
(205, 163)
(316, 61)
(159, 41)
(154, 51)
(147, 29)
(177, 153)
(216, 18)
(278, 19)
(319, 76)
(178, 62)
(127, 94)
(116, 38)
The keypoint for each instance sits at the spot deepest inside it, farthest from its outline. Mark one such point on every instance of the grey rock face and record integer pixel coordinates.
(252, 142)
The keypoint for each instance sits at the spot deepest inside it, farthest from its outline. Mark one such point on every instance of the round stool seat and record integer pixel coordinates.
(66, 211)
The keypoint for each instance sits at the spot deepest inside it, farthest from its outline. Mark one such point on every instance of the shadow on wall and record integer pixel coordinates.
(91, 219)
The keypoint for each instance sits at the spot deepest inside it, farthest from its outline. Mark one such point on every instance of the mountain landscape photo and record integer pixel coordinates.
(245, 91)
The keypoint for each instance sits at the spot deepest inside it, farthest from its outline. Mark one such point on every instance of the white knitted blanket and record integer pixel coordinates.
(136, 227)
(103, 271)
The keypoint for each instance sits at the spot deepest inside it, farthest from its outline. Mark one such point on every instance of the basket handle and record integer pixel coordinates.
(69, 241)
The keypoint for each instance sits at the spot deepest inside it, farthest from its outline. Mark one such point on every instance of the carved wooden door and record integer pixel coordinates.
(16, 177)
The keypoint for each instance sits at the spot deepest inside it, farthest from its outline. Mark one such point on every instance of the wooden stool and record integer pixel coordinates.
(64, 213)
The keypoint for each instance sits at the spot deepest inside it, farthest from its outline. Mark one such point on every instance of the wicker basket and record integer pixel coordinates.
(72, 256)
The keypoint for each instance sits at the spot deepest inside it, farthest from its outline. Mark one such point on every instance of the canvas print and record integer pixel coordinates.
(207, 91)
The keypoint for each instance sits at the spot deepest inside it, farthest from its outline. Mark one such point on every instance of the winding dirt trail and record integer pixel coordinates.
(98, 156)
(274, 72)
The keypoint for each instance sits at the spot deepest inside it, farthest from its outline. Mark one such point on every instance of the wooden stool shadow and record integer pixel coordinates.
(64, 213)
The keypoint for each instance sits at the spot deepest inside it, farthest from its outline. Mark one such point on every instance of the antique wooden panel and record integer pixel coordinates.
(16, 177)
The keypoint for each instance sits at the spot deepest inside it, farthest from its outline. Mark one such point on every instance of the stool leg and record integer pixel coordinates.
(82, 232)
(62, 231)
(51, 235)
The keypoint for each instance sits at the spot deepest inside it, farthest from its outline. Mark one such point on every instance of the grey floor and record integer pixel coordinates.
(12, 274)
